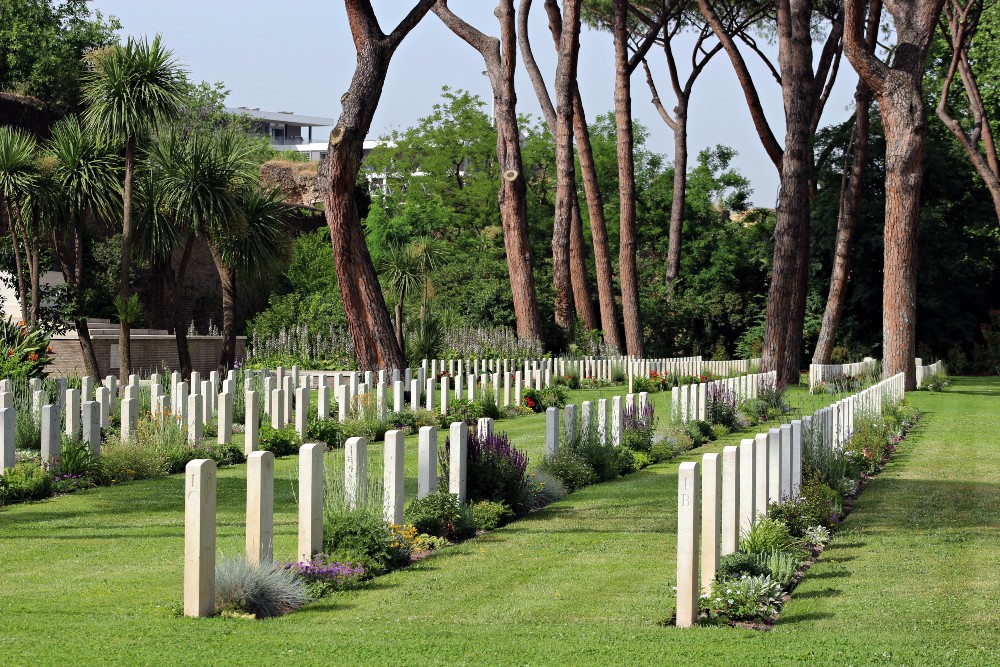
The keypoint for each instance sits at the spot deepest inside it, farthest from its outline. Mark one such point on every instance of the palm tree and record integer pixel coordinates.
(248, 252)
(196, 190)
(402, 273)
(130, 89)
(84, 175)
(426, 251)
(18, 177)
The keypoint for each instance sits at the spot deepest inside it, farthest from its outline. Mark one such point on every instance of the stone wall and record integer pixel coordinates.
(149, 353)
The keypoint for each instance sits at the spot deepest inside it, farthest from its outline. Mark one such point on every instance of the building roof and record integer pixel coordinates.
(283, 117)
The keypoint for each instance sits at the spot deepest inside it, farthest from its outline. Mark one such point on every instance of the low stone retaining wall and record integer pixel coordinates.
(150, 352)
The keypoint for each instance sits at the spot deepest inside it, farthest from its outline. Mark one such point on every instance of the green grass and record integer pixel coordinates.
(912, 578)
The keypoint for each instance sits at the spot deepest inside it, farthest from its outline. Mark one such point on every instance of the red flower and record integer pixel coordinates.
(32, 357)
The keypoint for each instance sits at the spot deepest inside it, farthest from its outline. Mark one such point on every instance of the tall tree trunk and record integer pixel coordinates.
(565, 84)
(680, 190)
(588, 170)
(627, 246)
(786, 297)
(364, 304)
(500, 58)
(850, 204)
(399, 325)
(227, 278)
(174, 282)
(124, 336)
(578, 271)
(22, 294)
(73, 274)
(35, 269)
(899, 91)
(598, 226)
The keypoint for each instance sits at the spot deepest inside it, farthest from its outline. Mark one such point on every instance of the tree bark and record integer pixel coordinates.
(565, 84)
(34, 268)
(22, 294)
(578, 271)
(899, 91)
(73, 274)
(124, 342)
(588, 170)
(174, 282)
(399, 325)
(850, 205)
(500, 57)
(227, 279)
(979, 144)
(680, 191)
(627, 246)
(364, 304)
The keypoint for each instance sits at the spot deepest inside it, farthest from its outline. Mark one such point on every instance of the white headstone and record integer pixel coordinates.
(457, 460)
(199, 537)
(260, 507)
(394, 476)
(426, 461)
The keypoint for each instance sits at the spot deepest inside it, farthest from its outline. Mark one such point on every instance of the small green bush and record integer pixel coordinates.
(642, 460)
(767, 535)
(571, 468)
(362, 536)
(279, 441)
(323, 430)
(739, 564)
(488, 515)
(817, 505)
(27, 480)
(265, 590)
(441, 514)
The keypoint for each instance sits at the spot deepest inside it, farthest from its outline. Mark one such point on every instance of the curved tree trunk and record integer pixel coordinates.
(627, 246)
(124, 342)
(399, 325)
(22, 294)
(850, 203)
(899, 91)
(35, 269)
(565, 85)
(680, 191)
(578, 271)
(588, 170)
(227, 278)
(72, 271)
(500, 58)
(364, 304)
(174, 283)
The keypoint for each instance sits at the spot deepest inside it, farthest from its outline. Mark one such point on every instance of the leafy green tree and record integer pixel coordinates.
(18, 178)
(42, 45)
(130, 90)
(85, 171)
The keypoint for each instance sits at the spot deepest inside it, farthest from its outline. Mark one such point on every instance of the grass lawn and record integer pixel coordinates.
(912, 578)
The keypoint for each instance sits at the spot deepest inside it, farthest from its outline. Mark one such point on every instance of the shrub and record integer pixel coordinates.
(488, 515)
(722, 406)
(642, 460)
(280, 441)
(598, 454)
(496, 471)
(935, 382)
(27, 480)
(623, 461)
(676, 441)
(571, 468)
(441, 514)
(24, 351)
(744, 599)
(324, 575)
(362, 536)
(75, 458)
(264, 590)
(817, 505)
(544, 488)
(638, 426)
(780, 565)
(739, 564)
(138, 458)
(323, 430)
(816, 536)
(767, 535)
(869, 444)
(412, 420)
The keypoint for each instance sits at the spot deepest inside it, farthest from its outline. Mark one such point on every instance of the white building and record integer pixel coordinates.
(288, 131)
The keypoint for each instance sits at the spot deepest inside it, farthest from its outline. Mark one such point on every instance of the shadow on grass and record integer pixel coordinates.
(791, 619)
(825, 593)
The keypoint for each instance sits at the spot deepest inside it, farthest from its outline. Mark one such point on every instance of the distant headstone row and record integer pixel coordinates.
(690, 402)
(829, 372)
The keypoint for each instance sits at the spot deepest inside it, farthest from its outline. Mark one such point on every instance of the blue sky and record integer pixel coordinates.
(297, 55)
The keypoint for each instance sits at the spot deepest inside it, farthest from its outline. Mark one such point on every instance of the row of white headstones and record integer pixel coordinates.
(726, 493)
(200, 486)
(690, 402)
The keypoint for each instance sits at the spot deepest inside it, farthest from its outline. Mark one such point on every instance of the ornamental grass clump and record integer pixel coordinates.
(264, 591)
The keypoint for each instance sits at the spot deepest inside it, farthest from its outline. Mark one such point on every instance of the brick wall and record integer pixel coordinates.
(149, 353)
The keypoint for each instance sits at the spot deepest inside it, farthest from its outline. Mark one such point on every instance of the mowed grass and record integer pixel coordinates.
(912, 578)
